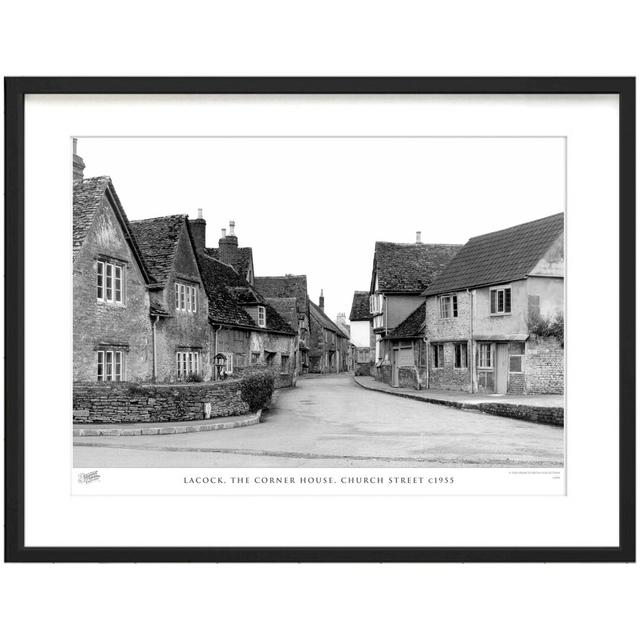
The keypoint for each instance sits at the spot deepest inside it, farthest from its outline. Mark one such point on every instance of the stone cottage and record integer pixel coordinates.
(112, 315)
(245, 330)
(228, 251)
(362, 337)
(178, 304)
(495, 316)
(400, 273)
(329, 345)
(279, 291)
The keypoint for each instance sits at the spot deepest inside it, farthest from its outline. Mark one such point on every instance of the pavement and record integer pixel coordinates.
(330, 421)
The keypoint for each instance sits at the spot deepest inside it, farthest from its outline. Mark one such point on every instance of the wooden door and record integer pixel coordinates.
(395, 382)
(502, 367)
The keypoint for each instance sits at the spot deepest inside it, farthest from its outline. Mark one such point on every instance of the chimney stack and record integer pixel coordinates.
(78, 162)
(199, 232)
(418, 237)
(228, 245)
(321, 301)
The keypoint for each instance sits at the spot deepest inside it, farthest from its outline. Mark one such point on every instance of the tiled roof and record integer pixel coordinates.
(501, 256)
(244, 257)
(360, 306)
(227, 290)
(158, 240)
(323, 319)
(87, 198)
(288, 286)
(412, 326)
(409, 268)
(286, 307)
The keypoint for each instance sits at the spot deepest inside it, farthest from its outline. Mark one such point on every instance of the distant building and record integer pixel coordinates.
(400, 274)
(362, 337)
(287, 288)
(495, 316)
(329, 346)
(245, 329)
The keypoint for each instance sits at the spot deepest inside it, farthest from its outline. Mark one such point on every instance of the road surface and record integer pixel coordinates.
(329, 421)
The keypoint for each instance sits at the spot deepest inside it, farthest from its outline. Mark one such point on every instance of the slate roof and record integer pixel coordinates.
(288, 286)
(323, 319)
(158, 240)
(409, 268)
(502, 256)
(227, 290)
(87, 199)
(412, 326)
(244, 257)
(360, 306)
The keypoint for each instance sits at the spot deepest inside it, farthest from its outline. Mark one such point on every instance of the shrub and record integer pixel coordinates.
(194, 377)
(547, 327)
(256, 388)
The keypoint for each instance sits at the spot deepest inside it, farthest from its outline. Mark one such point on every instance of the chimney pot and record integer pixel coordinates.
(232, 228)
(199, 214)
(223, 233)
(418, 237)
(78, 163)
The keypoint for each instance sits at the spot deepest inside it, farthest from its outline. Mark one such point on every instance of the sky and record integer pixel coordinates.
(316, 206)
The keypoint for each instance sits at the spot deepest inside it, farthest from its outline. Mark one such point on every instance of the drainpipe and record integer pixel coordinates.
(155, 358)
(472, 349)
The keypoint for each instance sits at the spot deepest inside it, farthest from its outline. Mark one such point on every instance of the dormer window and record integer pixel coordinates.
(109, 282)
(186, 297)
(262, 317)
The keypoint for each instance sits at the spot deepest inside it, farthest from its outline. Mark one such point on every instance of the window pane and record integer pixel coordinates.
(195, 299)
(109, 279)
(515, 364)
(188, 296)
(100, 365)
(493, 301)
(108, 365)
(177, 294)
(455, 306)
(118, 271)
(500, 301)
(182, 297)
(118, 366)
(507, 300)
(100, 280)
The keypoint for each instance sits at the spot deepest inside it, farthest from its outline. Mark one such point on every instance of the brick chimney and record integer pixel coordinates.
(78, 162)
(321, 301)
(198, 229)
(228, 245)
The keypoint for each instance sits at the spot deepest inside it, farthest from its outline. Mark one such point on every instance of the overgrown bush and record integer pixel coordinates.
(194, 377)
(546, 327)
(256, 388)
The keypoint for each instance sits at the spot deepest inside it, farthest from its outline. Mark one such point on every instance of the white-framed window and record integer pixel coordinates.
(500, 300)
(376, 301)
(485, 355)
(228, 365)
(109, 282)
(262, 317)
(460, 355)
(187, 363)
(186, 297)
(448, 307)
(438, 356)
(110, 365)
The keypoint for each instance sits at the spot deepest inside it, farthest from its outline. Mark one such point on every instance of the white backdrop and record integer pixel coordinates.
(362, 38)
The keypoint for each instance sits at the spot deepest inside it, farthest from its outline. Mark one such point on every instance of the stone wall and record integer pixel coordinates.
(544, 365)
(448, 377)
(127, 402)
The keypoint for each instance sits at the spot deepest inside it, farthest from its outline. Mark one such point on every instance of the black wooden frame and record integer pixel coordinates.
(15, 91)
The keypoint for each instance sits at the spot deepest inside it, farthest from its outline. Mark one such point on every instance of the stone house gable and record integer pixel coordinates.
(111, 322)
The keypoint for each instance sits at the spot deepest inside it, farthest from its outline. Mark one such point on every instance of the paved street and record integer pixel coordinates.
(331, 422)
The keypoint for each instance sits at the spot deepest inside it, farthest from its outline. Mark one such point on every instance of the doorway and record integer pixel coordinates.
(502, 367)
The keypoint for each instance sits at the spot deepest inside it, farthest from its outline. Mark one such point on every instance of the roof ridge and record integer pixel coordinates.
(517, 226)
(165, 217)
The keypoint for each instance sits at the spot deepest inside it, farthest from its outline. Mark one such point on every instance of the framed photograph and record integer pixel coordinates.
(320, 319)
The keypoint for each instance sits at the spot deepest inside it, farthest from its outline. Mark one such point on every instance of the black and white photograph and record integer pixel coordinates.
(321, 301)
